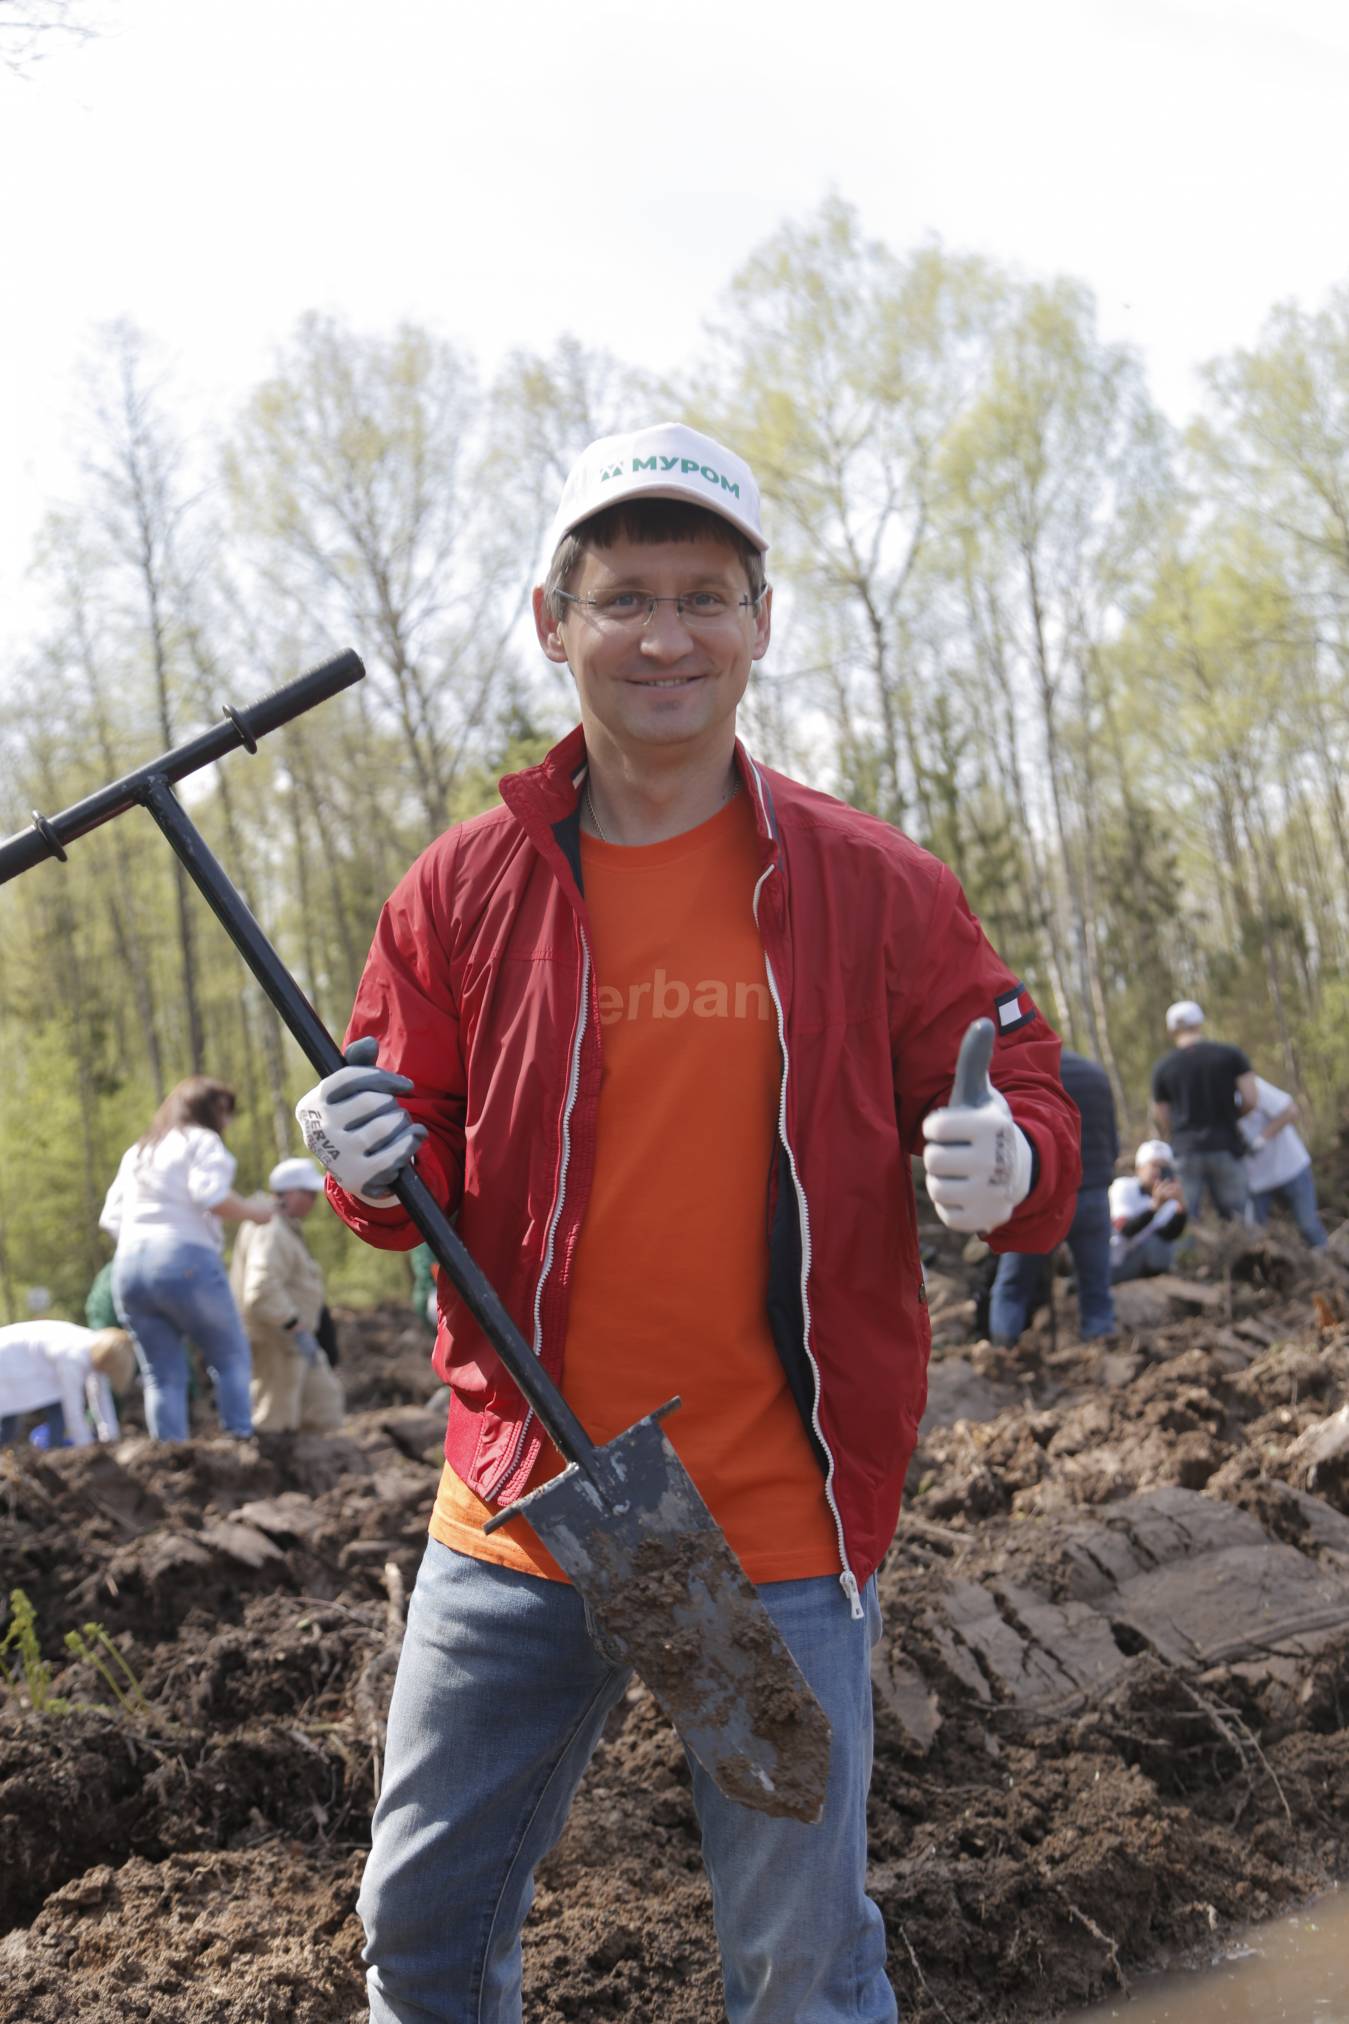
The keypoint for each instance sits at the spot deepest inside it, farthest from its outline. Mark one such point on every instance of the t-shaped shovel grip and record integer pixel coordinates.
(972, 1089)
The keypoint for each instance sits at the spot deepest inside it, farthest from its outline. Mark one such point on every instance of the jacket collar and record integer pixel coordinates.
(546, 799)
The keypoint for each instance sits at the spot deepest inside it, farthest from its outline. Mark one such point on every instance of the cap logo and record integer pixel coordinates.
(685, 464)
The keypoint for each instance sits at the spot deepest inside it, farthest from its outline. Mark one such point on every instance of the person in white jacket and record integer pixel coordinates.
(173, 1191)
(279, 1289)
(66, 1373)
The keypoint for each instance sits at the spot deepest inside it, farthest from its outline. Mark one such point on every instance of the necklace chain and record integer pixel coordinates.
(588, 800)
(590, 809)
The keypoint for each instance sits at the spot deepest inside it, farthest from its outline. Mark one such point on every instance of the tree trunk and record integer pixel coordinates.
(1072, 885)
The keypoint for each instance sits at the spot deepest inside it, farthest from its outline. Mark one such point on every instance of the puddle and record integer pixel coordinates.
(1292, 1972)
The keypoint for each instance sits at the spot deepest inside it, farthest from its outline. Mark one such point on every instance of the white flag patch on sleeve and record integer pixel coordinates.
(1015, 1008)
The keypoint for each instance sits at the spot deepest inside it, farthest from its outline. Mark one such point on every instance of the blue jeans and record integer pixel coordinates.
(1299, 1197)
(167, 1290)
(1023, 1276)
(1223, 1175)
(48, 1431)
(1146, 1261)
(501, 1694)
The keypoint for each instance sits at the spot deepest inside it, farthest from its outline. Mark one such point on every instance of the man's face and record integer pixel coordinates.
(1149, 1175)
(668, 684)
(297, 1203)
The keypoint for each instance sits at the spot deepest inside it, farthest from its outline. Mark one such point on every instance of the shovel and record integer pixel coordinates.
(624, 1521)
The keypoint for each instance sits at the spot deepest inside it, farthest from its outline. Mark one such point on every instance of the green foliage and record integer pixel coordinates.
(92, 1644)
(27, 1673)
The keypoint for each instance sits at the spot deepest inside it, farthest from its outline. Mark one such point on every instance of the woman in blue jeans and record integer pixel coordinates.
(174, 1190)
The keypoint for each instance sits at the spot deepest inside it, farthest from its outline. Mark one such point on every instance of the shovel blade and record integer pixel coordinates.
(671, 1597)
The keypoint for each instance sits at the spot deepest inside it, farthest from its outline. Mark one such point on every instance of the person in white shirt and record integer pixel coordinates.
(1278, 1163)
(66, 1373)
(173, 1190)
(1147, 1215)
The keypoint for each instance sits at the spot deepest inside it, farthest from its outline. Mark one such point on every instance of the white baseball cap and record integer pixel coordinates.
(296, 1173)
(668, 461)
(1184, 1013)
(1153, 1149)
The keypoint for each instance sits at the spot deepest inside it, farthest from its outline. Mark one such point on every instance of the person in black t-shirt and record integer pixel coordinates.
(1199, 1090)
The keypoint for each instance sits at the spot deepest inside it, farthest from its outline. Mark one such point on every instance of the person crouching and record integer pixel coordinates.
(1147, 1215)
(65, 1376)
(279, 1289)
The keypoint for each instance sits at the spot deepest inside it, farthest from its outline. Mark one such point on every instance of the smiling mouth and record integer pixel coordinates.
(664, 681)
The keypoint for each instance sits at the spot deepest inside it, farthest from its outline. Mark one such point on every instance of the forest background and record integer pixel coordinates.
(1097, 663)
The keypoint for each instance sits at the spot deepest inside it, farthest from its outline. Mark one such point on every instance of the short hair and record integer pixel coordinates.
(111, 1354)
(650, 521)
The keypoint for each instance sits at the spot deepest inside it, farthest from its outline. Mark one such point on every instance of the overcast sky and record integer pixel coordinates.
(512, 171)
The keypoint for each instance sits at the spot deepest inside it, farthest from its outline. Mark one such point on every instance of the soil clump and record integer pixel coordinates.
(1112, 1693)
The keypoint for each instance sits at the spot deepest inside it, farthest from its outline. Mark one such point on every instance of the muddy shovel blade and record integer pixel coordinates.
(667, 1591)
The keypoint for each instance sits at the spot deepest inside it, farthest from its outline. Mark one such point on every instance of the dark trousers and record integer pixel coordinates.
(1023, 1276)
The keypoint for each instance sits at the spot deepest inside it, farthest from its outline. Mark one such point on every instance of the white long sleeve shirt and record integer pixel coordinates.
(46, 1363)
(167, 1190)
(1285, 1155)
(1128, 1200)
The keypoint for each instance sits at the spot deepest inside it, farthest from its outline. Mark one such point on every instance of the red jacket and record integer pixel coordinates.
(480, 988)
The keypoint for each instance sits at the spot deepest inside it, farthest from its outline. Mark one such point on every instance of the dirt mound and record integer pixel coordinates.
(1111, 1701)
(265, 1934)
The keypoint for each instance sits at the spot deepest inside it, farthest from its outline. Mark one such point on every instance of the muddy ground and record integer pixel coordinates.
(1111, 1708)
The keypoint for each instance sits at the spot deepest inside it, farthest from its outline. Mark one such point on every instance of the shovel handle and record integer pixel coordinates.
(49, 835)
(972, 1089)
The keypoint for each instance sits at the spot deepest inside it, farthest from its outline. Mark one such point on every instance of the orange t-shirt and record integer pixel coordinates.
(670, 1275)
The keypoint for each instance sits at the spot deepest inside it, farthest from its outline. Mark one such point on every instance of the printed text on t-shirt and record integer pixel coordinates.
(661, 996)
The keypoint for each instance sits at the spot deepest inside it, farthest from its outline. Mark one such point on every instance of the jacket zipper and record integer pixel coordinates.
(847, 1580)
(569, 1104)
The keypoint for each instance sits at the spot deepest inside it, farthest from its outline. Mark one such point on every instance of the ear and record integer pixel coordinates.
(763, 624)
(548, 629)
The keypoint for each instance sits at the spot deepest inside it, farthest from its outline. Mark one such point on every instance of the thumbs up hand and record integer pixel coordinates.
(977, 1160)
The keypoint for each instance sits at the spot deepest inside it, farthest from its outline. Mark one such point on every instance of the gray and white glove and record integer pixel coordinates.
(977, 1159)
(352, 1125)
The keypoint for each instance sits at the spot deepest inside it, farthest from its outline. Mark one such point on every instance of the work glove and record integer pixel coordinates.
(352, 1125)
(978, 1161)
(307, 1344)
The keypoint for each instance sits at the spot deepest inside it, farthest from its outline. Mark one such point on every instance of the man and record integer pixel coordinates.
(1278, 1163)
(67, 1375)
(1147, 1215)
(1022, 1278)
(669, 1027)
(279, 1290)
(1198, 1091)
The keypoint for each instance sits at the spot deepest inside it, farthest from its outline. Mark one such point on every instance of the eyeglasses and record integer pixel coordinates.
(631, 610)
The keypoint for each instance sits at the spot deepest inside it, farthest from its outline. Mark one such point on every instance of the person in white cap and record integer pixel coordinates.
(65, 1374)
(664, 1030)
(279, 1290)
(1199, 1091)
(1147, 1215)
